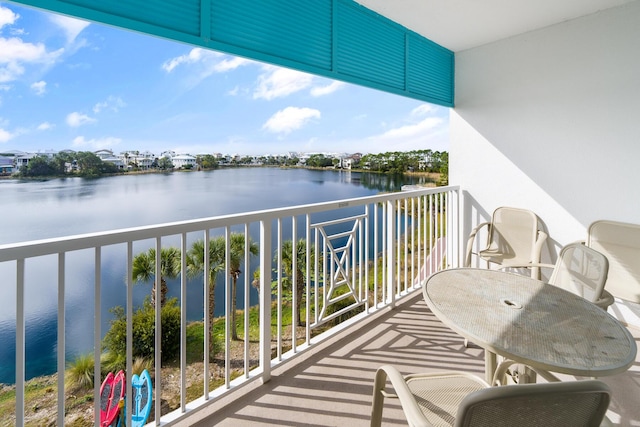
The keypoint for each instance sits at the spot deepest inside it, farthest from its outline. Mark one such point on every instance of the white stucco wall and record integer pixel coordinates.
(550, 121)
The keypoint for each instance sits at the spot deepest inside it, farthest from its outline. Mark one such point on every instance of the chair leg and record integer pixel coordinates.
(378, 398)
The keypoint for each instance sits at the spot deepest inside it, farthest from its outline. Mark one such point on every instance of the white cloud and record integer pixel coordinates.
(76, 119)
(71, 26)
(5, 135)
(7, 16)
(208, 58)
(113, 103)
(326, 90)
(201, 63)
(422, 110)
(45, 126)
(96, 144)
(290, 119)
(195, 55)
(412, 130)
(39, 87)
(231, 63)
(14, 53)
(279, 82)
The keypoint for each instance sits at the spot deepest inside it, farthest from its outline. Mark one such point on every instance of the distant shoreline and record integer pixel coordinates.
(435, 176)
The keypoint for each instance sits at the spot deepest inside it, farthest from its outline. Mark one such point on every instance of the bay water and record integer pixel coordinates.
(33, 210)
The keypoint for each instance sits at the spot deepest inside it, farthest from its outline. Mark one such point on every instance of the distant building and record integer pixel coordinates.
(183, 161)
(6, 165)
(23, 160)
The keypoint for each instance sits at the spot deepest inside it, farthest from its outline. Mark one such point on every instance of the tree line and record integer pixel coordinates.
(88, 164)
(81, 163)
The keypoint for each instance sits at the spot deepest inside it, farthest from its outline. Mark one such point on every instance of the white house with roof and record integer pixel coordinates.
(183, 161)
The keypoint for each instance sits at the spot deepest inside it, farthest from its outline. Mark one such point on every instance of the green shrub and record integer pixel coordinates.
(79, 373)
(143, 322)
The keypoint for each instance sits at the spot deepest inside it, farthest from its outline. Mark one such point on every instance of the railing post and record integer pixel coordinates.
(391, 253)
(265, 299)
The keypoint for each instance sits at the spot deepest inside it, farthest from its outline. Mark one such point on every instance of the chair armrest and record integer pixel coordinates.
(412, 411)
(529, 265)
(542, 238)
(605, 300)
(469, 249)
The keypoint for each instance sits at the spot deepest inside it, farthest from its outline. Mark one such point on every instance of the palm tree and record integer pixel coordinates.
(195, 266)
(301, 268)
(236, 258)
(144, 269)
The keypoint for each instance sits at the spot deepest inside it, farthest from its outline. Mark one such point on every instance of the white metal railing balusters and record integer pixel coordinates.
(20, 342)
(325, 267)
(129, 356)
(405, 229)
(317, 275)
(294, 284)
(412, 242)
(61, 336)
(227, 307)
(158, 335)
(183, 322)
(385, 224)
(398, 247)
(207, 316)
(365, 258)
(441, 228)
(307, 273)
(360, 262)
(391, 253)
(376, 233)
(279, 281)
(432, 240)
(265, 300)
(97, 312)
(247, 243)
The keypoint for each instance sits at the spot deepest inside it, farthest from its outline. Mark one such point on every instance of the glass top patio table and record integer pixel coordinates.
(530, 322)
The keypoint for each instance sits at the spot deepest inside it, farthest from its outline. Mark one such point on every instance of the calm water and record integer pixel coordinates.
(33, 210)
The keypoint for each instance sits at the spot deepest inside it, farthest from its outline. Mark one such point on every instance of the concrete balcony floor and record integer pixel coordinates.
(332, 384)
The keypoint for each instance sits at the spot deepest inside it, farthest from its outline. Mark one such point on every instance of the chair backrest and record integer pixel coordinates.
(513, 232)
(559, 404)
(620, 243)
(581, 270)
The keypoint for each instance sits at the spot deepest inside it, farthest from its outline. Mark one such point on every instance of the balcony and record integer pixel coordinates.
(363, 260)
(355, 258)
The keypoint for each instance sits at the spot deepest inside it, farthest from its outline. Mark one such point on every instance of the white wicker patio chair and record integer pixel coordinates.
(461, 399)
(514, 237)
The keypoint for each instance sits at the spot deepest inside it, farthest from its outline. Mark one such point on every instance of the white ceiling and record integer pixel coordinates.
(464, 24)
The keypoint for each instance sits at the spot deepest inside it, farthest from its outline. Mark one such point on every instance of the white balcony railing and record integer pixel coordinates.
(354, 257)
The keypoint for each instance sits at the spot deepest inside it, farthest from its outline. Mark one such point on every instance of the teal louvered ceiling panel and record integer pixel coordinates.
(177, 15)
(430, 69)
(296, 30)
(367, 48)
(339, 39)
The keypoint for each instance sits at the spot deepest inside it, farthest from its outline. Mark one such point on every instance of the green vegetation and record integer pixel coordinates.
(143, 323)
(65, 163)
(409, 161)
(144, 269)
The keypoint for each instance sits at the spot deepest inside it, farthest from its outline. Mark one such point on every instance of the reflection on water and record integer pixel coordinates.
(35, 210)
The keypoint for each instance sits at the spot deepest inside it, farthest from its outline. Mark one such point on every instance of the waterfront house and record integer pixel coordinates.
(544, 97)
(183, 161)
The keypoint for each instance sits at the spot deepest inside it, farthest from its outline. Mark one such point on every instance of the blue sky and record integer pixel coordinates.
(71, 84)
